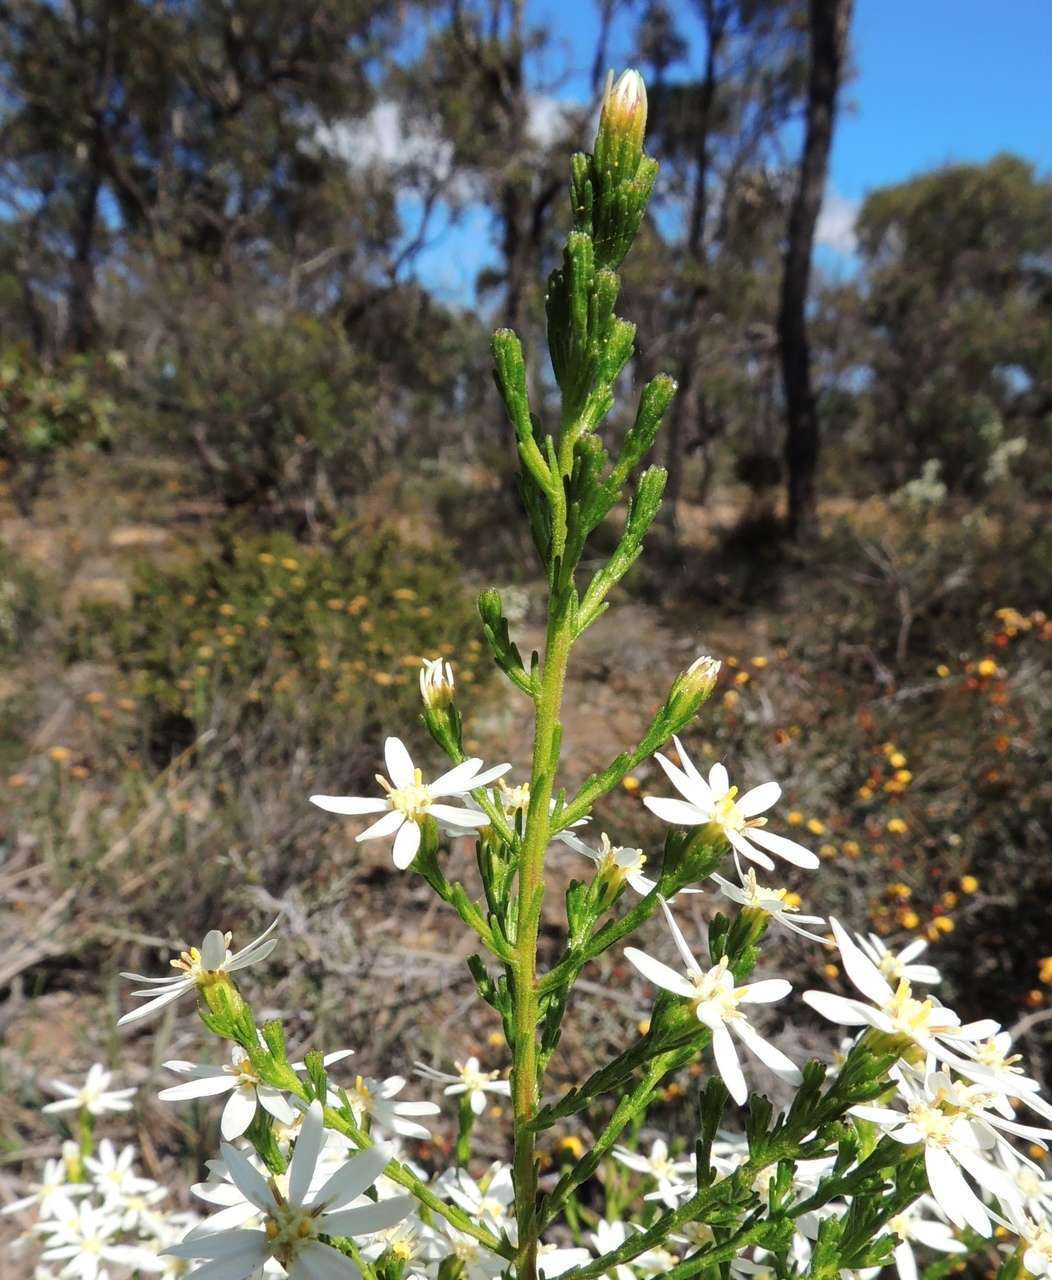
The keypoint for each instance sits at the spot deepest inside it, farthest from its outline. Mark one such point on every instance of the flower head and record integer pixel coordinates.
(471, 1080)
(777, 903)
(716, 803)
(716, 999)
(94, 1095)
(200, 967)
(240, 1081)
(293, 1217)
(437, 686)
(408, 800)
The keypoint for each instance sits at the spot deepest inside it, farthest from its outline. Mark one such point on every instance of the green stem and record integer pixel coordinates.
(526, 1012)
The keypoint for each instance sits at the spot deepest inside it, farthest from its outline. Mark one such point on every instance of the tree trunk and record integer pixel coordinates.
(829, 23)
(82, 267)
(716, 19)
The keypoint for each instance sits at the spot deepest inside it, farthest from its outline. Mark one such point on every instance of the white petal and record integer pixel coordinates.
(351, 1179)
(384, 826)
(308, 1148)
(249, 1181)
(765, 992)
(760, 799)
(848, 1013)
(719, 783)
(352, 805)
(677, 812)
(685, 953)
(202, 1087)
(151, 1006)
(213, 949)
(317, 1261)
(741, 846)
(274, 1101)
(783, 848)
(694, 790)
(659, 974)
(457, 780)
(238, 1112)
(727, 1064)
(399, 763)
(406, 844)
(766, 1052)
(453, 816)
(862, 971)
(905, 1263)
(223, 1244)
(952, 1194)
(367, 1218)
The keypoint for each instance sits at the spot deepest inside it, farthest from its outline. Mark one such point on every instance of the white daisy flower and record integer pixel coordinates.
(607, 1237)
(469, 1079)
(777, 903)
(477, 1262)
(952, 1148)
(716, 803)
(198, 967)
(409, 800)
(113, 1174)
(94, 1095)
(716, 1001)
(49, 1193)
(87, 1244)
(1035, 1235)
(293, 1217)
(617, 863)
(898, 965)
(670, 1175)
(489, 1200)
(238, 1079)
(896, 1011)
(376, 1099)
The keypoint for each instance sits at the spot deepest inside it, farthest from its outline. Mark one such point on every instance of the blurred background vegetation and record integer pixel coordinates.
(254, 471)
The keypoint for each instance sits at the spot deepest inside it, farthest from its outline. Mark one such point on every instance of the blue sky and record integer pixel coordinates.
(935, 81)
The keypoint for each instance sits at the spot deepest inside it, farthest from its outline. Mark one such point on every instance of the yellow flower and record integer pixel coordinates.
(80, 772)
(1044, 970)
(897, 827)
(897, 760)
(903, 776)
(852, 849)
(827, 851)
(60, 755)
(334, 605)
(730, 699)
(630, 783)
(909, 919)
(794, 817)
(227, 610)
(759, 662)
(900, 890)
(404, 593)
(644, 1027)
(571, 1144)
(831, 971)
(943, 924)
(204, 652)
(742, 677)
(942, 670)
(948, 899)
(816, 827)
(865, 792)
(265, 557)
(94, 698)
(969, 884)
(289, 563)
(987, 668)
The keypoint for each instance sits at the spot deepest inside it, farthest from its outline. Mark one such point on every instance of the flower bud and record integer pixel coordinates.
(624, 112)
(690, 689)
(436, 684)
(701, 676)
(622, 124)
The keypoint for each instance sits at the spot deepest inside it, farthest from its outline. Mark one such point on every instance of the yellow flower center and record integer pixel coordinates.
(914, 1017)
(989, 1055)
(936, 1126)
(411, 800)
(727, 814)
(711, 991)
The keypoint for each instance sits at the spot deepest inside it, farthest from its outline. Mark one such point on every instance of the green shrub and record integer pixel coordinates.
(322, 639)
(43, 411)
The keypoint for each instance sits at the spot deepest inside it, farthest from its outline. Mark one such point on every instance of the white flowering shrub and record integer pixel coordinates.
(907, 1150)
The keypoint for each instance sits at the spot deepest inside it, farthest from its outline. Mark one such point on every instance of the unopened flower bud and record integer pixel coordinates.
(622, 123)
(701, 675)
(624, 112)
(436, 684)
